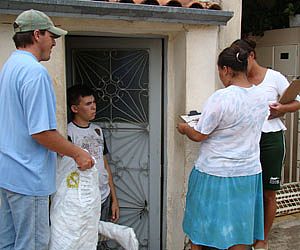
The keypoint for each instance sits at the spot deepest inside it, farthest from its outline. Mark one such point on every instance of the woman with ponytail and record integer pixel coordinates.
(224, 207)
(272, 143)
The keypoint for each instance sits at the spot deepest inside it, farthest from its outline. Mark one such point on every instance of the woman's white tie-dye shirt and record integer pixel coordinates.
(233, 118)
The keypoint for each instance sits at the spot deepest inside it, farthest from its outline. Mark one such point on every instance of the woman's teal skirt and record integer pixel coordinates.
(223, 211)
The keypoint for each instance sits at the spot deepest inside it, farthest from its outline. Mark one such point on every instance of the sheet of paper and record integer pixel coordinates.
(191, 119)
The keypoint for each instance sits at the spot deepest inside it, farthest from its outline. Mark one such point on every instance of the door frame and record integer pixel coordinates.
(157, 191)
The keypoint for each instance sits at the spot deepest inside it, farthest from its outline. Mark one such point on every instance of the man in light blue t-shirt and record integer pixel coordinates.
(28, 136)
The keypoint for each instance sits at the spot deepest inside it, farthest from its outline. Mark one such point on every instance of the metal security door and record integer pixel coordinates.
(126, 77)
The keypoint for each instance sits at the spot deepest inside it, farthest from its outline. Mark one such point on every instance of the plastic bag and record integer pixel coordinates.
(75, 208)
(124, 235)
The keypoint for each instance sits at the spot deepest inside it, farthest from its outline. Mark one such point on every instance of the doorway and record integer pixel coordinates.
(126, 75)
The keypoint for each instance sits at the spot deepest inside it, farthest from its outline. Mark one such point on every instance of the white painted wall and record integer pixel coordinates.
(194, 82)
(276, 41)
(232, 30)
(176, 98)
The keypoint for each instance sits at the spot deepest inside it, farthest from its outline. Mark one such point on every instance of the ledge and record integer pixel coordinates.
(118, 11)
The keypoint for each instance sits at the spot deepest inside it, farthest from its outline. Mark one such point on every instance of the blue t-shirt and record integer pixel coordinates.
(27, 107)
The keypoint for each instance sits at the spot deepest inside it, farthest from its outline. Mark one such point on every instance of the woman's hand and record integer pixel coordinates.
(276, 110)
(181, 127)
(185, 129)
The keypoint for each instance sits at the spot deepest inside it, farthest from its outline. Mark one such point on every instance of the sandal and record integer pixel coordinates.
(267, 247)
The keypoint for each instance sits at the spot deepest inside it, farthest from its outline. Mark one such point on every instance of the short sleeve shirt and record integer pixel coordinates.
(273, 85)
(233, 118)
(27, 107)
(91, 138)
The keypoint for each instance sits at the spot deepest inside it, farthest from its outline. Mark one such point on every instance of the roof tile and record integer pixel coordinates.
(174, 3)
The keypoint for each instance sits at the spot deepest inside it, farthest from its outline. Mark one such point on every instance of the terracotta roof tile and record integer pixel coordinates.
(174, 3)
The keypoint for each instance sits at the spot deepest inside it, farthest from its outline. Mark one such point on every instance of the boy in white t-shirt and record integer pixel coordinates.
(89, 136)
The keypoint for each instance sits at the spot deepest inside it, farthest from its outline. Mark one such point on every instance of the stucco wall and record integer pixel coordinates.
(175, 167)
(232, 30)
(191, 76)
(280, 37)
(194, 80)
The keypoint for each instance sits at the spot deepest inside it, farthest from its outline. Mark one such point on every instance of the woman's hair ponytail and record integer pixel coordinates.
(235, 58)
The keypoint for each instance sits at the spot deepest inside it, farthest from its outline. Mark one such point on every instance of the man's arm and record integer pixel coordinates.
(114, 200)
(54, 141)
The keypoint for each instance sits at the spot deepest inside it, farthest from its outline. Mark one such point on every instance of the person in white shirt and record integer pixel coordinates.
(224, 206)
(89, 136)
(272, 144)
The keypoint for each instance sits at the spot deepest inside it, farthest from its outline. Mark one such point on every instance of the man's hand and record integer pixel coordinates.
(115, 211)
(54, 141)
(84, 160)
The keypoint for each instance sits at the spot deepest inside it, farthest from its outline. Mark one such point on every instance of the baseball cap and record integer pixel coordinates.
(30, 20)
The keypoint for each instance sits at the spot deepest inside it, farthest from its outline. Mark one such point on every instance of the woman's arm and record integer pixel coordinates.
(278, 110)
(185, 129)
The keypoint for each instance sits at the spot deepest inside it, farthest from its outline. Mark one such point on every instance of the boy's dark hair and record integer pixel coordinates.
(23, 39)
(75, 92)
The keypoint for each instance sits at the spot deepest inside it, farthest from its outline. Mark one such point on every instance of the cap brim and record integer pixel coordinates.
(57, 31)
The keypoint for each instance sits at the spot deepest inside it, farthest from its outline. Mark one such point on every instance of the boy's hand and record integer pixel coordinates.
(115, 211)
(84, 160)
